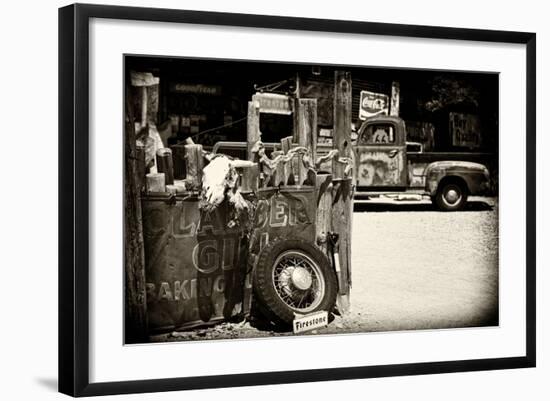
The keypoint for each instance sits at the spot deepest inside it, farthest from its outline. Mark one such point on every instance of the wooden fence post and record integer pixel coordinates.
(134, 258)
(252, 128)
(323, 222)
(394, 102)
(306, 132)
(288, 171)
(194, 163)
(342, 209)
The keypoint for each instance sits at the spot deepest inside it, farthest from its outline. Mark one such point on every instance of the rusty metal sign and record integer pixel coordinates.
(373, 104)
(465, 130)
(282, 214)
(273, 103)
(196, 270)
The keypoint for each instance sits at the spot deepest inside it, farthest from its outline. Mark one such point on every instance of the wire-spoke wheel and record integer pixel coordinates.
(293, 276)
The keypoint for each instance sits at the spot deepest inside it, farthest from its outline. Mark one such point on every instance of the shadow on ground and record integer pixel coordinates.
(48, 382)
(475, 206)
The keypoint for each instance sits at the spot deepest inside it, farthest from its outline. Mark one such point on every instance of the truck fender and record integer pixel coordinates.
(474, 176)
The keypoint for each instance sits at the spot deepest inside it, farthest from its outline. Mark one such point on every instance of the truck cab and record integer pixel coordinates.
(385, 166)
(381, 154)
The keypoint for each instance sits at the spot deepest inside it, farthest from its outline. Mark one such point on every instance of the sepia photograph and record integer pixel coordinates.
(266, 199)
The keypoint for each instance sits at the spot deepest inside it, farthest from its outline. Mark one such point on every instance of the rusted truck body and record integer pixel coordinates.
(387, 164)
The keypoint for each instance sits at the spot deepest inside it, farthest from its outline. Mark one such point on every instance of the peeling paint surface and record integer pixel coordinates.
(377, 168)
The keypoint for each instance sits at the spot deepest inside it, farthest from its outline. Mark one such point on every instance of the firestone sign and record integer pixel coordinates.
(373, 104)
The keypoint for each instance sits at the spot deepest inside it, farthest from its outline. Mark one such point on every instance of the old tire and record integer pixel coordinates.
(451, 196)
(293, 276)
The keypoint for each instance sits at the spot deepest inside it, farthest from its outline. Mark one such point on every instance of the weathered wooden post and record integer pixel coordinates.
(394, 102)
(143, 80)
(323, 221)
(288, 170)
(249, 178)
(279, 173)
(194, 163)
(134, 260)
(342, 208)
(253, 134)
(306, 131)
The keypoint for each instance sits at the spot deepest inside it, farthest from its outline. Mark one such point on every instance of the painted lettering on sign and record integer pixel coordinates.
(310, 322)
(281, 211)
(465, 130)
(273, 103)
(211, 254)
(185, 290)
(373, 104)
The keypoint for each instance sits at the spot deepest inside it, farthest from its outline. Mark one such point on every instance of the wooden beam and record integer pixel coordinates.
(394, 101)
(194, 163)
(306, 131)
(342, 208)
(288, 175)
(323, 220)
(253, 134)
(134, 259)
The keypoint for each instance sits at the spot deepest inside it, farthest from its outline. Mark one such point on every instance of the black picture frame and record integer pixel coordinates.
(74, 198)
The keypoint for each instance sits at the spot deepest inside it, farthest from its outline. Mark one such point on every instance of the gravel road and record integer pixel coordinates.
(413, 268)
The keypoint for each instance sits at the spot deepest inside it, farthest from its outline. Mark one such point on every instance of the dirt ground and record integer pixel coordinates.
(413, 268)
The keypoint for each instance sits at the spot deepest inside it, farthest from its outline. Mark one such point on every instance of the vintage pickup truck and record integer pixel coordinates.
(387, 164)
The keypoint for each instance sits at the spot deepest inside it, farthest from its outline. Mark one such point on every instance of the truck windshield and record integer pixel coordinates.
(377, 134)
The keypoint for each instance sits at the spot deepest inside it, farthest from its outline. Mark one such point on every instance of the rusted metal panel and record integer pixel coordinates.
(476, 176)
(417, 174)
(195, 266)
(377, 167)
(285, 213)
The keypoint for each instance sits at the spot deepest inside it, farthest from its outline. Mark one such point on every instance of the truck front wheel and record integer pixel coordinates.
(451, 196)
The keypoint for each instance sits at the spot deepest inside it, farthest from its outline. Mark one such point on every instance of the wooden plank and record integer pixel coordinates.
(135, 302)
(305, 133)
(194, 163)
(140, 167)
(286, 145)
(279, 173)
(253, 134)
(342, 120)
(394, 101)
(248, 179)
(323, 219)
(343, 191)
(306, 110)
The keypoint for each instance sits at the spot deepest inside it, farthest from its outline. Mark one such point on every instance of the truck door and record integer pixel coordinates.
(382, 155)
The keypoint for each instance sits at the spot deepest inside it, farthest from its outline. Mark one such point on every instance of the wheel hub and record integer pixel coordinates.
(301, 278)
(452, 196)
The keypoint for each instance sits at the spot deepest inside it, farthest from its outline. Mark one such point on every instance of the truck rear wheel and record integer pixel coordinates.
(293, 276)
(451, 196)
